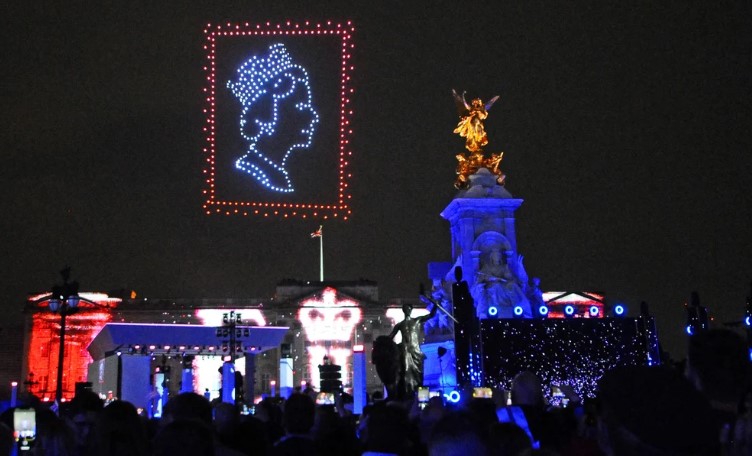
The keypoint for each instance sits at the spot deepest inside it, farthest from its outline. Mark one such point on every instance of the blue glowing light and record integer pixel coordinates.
(518, 311)
(493, 311)
(594, 311)
(273, 77)
(619, 310)
(569, 310)
(747, 320)
(453, 397)
(690, 330)
(543, 310)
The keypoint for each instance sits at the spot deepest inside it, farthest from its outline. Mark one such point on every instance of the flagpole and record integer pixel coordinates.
(321, 257)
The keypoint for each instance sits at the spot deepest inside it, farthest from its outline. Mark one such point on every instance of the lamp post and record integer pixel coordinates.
(64, 301)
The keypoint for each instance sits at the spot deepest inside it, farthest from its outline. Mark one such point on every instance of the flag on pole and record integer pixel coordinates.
(319, 232)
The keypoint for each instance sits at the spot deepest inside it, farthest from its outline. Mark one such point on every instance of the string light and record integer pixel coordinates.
(575, 352)
(274, 74)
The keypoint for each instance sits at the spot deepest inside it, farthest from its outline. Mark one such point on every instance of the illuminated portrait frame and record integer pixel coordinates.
(339, 205)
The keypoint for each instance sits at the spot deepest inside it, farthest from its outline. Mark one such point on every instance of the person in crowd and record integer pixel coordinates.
(654, 411)
(54, 437)
(226, 423)
(456, 435)
(119, 431)
(528, 406)
(717, 365)
(385, 430)
(6, 440)
(507, 439)
(429, 416)
(194, 407)
(189, 406)
(269, 413)
(184, 437)
(83, 413)
(298, 420)
(483, 413)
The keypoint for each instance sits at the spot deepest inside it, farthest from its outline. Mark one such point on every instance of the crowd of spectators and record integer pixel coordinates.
(702, 409)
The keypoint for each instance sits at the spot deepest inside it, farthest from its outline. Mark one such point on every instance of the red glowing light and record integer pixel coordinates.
(44, 345)
(215, 202)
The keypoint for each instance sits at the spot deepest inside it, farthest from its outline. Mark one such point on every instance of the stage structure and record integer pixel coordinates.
(278, 115)
(505, 322)
(128, 357)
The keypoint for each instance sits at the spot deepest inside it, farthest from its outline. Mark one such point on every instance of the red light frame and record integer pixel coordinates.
(212, 204)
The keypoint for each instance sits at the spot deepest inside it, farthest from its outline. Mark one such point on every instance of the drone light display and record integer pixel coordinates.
(277, 119)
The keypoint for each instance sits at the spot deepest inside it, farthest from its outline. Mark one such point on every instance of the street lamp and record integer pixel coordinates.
(64, 301)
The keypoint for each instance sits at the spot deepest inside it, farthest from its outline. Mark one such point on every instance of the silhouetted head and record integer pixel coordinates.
(527, 390)
(407, 308)
(654, 410)
(299, 414)
(717, 364)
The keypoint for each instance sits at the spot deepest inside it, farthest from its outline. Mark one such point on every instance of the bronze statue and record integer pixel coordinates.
(471, 128)
(411, 370)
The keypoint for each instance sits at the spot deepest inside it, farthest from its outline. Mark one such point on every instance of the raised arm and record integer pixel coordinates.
(432, 313)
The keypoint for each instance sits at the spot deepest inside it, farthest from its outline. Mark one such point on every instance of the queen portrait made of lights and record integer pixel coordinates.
(277, 116)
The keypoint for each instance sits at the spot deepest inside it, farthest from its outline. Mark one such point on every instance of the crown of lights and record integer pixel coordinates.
(340, 208)
(329, 317)
(258, 70)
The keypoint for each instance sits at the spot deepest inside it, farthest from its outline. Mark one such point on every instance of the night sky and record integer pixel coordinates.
(626, 130)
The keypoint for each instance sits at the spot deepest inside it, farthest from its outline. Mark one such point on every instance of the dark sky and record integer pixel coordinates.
(626, 130)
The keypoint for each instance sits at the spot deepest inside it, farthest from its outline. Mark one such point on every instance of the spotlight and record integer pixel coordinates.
(493, 311)
(569, 310)
(518, 311)
(619, 310)
(594, 311)
(453, 397)
(543, 311)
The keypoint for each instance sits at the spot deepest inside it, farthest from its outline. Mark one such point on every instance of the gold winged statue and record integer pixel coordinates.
(471, 128)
